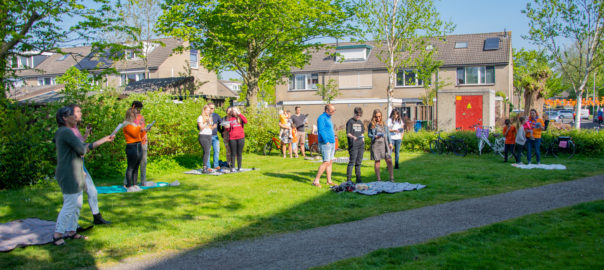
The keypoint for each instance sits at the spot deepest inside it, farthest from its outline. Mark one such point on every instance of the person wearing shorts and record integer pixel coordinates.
(299, 121)
(327, 144)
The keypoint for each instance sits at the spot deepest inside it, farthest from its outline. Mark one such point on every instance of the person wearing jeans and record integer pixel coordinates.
(327, 144)
(356, 144)
(216, 119)
(534, 138)
(70, 172)
(396, 128)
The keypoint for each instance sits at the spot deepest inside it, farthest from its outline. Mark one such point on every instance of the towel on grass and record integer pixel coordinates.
(337, 160)
(25, 232)
(219, 172)
(540, 166)
(388, 187)
(121, 189)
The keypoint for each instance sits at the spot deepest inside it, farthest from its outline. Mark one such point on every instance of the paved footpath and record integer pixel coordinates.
(324, 245)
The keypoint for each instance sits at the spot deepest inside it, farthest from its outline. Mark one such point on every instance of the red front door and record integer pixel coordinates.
(468, 111)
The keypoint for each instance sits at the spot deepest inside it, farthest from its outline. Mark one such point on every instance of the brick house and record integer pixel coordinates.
(476, 70)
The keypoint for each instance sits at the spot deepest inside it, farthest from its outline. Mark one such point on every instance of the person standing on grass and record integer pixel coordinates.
(520, 140)
(217, 120)
(284, 131)
(600, 115)
(225, 135)
(299, 121)
(137, 106)
(294, 137)
(205, 125)
(70, 173)
(381, 144)
(396, 128)
(356, 144)
(327, 144)
(133, 134)
(236, 137)
(90, 187)
(509, 132)
(534, 138)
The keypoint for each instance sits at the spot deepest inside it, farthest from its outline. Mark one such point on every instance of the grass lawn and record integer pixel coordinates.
(569, 238)
(205, 210)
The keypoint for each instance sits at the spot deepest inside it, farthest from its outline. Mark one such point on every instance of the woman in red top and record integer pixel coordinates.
(509, 132)
(236, 137)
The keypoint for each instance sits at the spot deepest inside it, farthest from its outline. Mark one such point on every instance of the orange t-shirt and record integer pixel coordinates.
(140, 120)
(510, 138)
(294, 135)
(132, 133)
(536, 131)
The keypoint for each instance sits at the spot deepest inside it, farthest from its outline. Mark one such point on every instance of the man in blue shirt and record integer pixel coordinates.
(327, 143)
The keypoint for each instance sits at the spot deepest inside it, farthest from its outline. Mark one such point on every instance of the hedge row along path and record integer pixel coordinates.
(324, 245)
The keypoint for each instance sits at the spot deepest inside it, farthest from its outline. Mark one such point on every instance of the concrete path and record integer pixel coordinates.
(320, 246)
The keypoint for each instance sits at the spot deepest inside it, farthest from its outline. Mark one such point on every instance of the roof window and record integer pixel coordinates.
(353, 52)
(63, 57)
(461, 44)
(491, 44)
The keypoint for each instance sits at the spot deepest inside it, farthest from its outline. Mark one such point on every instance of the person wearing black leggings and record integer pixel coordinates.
(236, 137)
(134, 150)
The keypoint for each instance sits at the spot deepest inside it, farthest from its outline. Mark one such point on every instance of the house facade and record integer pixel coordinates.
(162, 63)
(476, 70)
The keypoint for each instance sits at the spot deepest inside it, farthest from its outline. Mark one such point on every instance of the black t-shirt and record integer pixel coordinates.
(356, 128)
(299, 122)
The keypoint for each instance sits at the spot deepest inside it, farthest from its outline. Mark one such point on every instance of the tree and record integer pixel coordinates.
(35, 25)
(328, 92)
(402, 29)
(255, 37)
(553, 22)
(142, 16)
(531, 73)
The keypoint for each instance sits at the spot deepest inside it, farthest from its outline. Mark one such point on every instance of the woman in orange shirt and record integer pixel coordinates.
(134, 151)
(509, 132)
(534, 139)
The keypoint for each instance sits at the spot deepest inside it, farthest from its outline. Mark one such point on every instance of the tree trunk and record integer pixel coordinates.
(533, 100)
(252, 76)
(578, 109)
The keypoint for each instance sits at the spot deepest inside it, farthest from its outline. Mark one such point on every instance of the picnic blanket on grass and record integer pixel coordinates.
(220, 172)
(388, 187)
(121, 189)
(540, 166)
(337, 160)
(25, 232)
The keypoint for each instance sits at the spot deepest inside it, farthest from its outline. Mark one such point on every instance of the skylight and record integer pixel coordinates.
(461, 44)
(63, 57)
(491, 44)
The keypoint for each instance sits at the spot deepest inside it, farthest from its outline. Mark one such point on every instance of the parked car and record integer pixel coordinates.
(566, 114)
(584, 113)
(553, 116)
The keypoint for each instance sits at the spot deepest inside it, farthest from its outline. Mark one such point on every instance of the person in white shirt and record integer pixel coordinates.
(205, 124)
(396, 128)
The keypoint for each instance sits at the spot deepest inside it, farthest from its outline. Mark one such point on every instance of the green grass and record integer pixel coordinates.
(206, 210)
(569, 238)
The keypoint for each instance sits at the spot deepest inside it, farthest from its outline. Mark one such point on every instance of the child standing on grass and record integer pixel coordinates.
(294, 136)
(509, 132)
(520, 140)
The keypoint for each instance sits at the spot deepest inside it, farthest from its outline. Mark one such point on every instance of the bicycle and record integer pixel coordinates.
(482, 133)
(269, 145)
(450, 144)
(563, 146)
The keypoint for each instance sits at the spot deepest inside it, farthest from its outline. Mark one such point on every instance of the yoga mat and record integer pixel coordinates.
(121, 189)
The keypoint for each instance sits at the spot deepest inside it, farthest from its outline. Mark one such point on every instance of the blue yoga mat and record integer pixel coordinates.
(120, 189)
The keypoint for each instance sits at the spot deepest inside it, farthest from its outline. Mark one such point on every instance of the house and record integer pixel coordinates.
(476, 71)
(164, 66)
(231, 85)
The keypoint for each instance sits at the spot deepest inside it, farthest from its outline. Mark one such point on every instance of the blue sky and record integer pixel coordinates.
(478, 16)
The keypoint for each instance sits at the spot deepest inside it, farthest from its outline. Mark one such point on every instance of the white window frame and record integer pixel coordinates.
(308, 85)
(482, 75)
(42, 81)
(194, 64)
(461, 45)
(140, 75)
(418, 81)
(127, 54)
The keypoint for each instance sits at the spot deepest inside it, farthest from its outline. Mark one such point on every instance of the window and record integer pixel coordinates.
(352, 53)
(408, 77)
(475, 75)
(305, 81)
(491, 44)
(130, 55)
(128, 78)
(429, 47)
(355, 79)
(194, 58)
(461, 44)
(46, 81)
